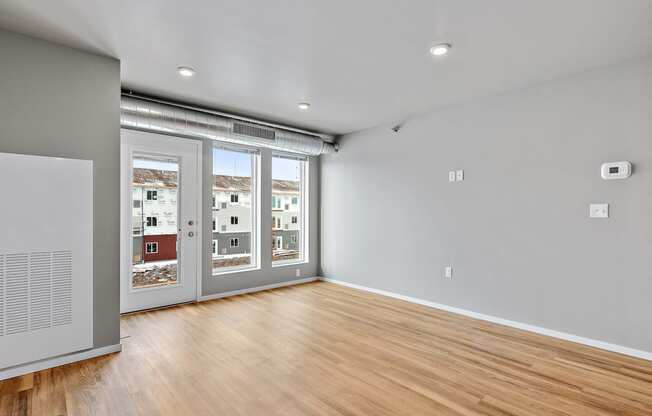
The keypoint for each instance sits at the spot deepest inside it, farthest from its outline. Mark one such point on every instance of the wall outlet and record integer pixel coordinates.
(459, 175)
(451, 176)
(599, 211)
(448, 272)
(298, 272)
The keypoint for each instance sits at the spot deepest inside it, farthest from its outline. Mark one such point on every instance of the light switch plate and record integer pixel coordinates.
(459, 175)
(448, 272)
(599, 211)
(451, 176)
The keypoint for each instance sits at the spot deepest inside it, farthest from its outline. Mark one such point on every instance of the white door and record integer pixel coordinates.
(161, 194)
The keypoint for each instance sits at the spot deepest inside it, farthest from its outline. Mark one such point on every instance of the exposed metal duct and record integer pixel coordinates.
(150, 115)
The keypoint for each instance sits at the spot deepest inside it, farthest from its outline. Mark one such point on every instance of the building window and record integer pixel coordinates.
(215, 247)
(152, 221)
(152, 195)
(213, 201)
(214, 225)
(289, 175)
(235, 184)
(276, 202)
(151, 247)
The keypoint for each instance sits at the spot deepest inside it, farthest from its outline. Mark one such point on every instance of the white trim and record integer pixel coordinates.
(526, 327)
(20, 370)
(256, 289)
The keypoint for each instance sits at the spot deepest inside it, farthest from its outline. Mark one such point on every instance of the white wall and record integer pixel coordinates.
(516, 231)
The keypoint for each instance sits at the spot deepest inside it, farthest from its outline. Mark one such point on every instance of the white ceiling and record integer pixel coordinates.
(359, 62)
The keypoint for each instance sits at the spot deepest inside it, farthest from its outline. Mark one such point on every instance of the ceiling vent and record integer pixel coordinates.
(252, 130)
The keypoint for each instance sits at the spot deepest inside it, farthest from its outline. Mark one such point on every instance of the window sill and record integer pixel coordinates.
(289, 263)
(231, 272)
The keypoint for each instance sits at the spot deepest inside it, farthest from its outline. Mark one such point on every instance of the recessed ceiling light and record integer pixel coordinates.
(186, 71)
(440, 49)
(304, 106)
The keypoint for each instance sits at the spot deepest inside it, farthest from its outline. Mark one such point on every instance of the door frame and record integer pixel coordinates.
(126, 238)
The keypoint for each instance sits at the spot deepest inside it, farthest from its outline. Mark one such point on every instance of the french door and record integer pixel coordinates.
(160, 245)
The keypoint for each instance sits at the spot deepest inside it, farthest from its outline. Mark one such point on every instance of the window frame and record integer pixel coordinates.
(304, 210)
(255, 193)
(148, 244)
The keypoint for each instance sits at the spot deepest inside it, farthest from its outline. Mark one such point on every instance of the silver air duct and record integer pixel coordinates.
(149, 115)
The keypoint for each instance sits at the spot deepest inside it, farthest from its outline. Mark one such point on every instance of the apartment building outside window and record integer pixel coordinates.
(234, 189)
(289, 188)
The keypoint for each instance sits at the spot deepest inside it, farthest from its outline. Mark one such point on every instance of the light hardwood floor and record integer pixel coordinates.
(322, 349)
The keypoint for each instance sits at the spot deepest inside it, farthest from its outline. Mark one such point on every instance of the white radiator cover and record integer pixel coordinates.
(46, 257)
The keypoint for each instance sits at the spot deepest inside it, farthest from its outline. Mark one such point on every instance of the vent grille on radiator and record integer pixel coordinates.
(35, 291)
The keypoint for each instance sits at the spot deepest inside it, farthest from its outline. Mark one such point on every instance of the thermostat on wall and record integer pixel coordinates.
(616, 170)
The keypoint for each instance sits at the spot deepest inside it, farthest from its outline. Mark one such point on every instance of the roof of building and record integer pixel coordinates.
(168, 179)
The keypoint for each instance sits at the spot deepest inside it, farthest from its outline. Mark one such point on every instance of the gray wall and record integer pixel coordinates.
(267, 274)
(57, 101)
(516, 231)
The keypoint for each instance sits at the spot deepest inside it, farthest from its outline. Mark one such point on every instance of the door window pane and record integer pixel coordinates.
(154, 222)
(234, 191)
(288, 209)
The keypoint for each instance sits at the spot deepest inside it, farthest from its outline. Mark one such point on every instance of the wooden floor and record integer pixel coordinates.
(322, 349)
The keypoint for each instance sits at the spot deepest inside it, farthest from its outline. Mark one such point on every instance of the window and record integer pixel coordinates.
(276, 202)
(213, 201)
(289, 175)
(154, 220)
(214, 225)
(151, 247)
(235, 187)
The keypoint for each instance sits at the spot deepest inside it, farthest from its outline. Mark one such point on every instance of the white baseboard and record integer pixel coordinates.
(256, 289)
(20, 370)
(526, 327)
